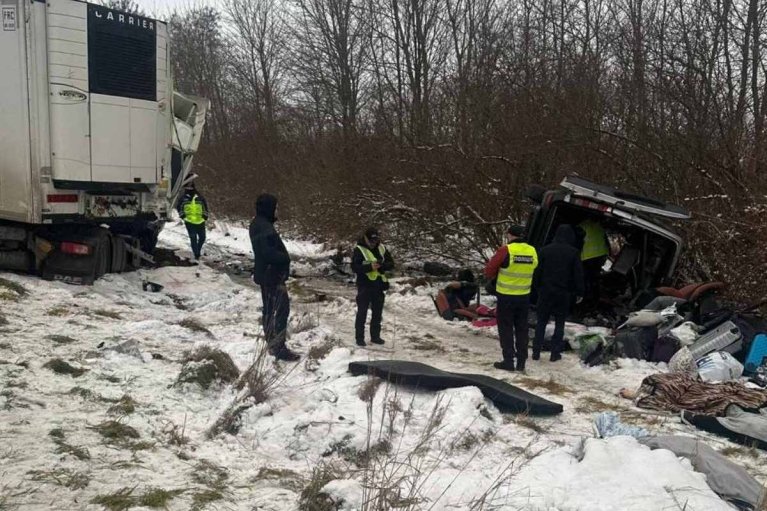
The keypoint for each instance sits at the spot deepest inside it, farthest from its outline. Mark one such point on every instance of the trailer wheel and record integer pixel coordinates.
(119, 254)
(103, 254)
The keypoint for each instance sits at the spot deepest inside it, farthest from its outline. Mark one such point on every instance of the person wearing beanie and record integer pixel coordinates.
(512, 268)
(370, 262)
(271, 269)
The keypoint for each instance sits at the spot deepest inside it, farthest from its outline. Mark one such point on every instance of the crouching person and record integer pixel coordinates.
(455, 299)
(271, 269)
(370, 262)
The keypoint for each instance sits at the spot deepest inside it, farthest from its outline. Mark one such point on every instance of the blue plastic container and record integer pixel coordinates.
(756, 353)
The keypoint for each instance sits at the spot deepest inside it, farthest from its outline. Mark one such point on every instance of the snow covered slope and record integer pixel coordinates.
(368, 445)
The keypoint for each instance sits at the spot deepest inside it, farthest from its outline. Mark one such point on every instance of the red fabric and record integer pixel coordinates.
(484, 322)
(484, 310)
(494, 265)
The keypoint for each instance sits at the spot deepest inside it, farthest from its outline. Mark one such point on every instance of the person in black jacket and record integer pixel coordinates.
(271, 268)
(558, 278)
(370, 261)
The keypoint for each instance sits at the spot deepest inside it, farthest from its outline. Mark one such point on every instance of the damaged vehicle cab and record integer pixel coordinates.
(643, 250)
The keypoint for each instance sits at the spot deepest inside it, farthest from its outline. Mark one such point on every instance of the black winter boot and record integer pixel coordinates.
(505, 365)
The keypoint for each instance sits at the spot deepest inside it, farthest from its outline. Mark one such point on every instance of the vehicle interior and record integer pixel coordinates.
(639, 259)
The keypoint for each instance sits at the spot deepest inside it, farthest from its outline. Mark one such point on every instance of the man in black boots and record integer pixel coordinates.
(512, 268)
(558, 279)
(370, 261)
(271, 268)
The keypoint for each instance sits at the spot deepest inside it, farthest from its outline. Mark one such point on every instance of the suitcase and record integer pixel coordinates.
(757, 353)
(725, 337)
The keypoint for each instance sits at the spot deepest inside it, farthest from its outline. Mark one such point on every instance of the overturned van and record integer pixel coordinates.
(643, 250)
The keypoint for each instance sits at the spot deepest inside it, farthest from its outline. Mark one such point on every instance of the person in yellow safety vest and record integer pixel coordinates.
(594, 251)
(370, 261)
(193, 210)
(512, 267)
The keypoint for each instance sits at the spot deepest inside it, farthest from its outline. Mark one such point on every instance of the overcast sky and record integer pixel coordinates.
(160, 8)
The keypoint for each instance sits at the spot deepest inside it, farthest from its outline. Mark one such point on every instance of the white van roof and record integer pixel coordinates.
(622, 200)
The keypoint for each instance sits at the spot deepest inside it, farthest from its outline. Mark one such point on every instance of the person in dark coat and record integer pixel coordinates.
(271, 269)
(193, 210)
(558, 278)
(370, 261)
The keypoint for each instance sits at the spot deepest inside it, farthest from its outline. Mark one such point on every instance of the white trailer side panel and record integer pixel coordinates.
(15, 174)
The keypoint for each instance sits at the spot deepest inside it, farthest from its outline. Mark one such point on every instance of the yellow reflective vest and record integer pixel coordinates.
(371, 258)
(517, 278)
(193, 212)
(594, 244)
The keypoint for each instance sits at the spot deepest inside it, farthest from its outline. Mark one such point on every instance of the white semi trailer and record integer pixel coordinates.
(95, 145)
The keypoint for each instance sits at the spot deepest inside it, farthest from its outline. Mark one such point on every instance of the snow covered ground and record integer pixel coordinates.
(367, 444)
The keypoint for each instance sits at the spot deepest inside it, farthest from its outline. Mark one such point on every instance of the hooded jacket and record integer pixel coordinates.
(560, 271)
(271, 262)
(361, 267)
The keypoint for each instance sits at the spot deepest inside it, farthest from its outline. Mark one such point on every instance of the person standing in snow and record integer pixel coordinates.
(370, 261)
(595, 248)
(512, 267)
(193, 209)
(558, 278)
(271, 268)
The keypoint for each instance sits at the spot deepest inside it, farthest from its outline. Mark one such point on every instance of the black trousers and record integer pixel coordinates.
(557, 305)
(512, 314)
(196, 237)
(275, 315)
(369, 298)
(592, 270)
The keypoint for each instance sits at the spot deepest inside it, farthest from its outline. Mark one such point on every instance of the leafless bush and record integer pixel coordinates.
(255, 386)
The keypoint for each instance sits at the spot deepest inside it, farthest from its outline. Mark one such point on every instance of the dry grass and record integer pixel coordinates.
(61, 476)
(10, 290)
(255, 386)
(745, 452)
(60, 339)
(207, 365)
(104, 313)
(61, 367)
(528, 422)
(125, 406)
(195, 325)
(318, 352)
(124, 498)
(58, 311)
(591, 404)
(121, 435)
(175, 434)
(312, 498)
(551, 386)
